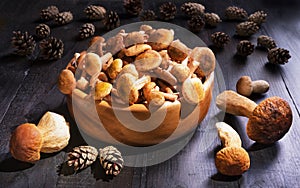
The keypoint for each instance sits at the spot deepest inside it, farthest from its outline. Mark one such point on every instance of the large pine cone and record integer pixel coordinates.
(191, 9)
(196, 23)
(51, 49)
(23, 43)
(235, 13)
(245, 48)
(133, 7)
(220, 39)
(111, 20)
(279, 56)
(111, 160)
(258, 17)
(82, 157)
(49, 13)
(63, 18)
(87, 30)
(147, 15)
(94, 12)
(42, 31)
(212, 19)
(267, 42)
(246, 29)
(167, 11)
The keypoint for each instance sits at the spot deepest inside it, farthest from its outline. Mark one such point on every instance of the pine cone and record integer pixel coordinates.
(82, 157)
(212, 19)
(49, 13)
(111, 20)
(111, 160)
(278, 56)
(191, 9)
(133, 7)
(246, 29)
(147, 15)
(94, 12)
(51, 48)
(23, 43)
(258, 17)
(63, 18)
(196, 23)
(267, 42)
(42, 31)
(87, 30)
(235, 13)
(220, 39)
(245, 48)
(167, 11)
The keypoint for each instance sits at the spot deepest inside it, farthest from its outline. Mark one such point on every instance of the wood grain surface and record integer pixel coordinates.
(28, 89)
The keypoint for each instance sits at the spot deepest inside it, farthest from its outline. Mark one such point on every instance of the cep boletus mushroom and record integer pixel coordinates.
(268, 121)
(245, 86)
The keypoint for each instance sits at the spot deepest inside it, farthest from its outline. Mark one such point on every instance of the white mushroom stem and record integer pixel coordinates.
(260, 86)
(235, 104)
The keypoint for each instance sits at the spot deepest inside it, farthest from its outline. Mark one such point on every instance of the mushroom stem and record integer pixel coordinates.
(228, 135)
(235, 104)
(260, 86)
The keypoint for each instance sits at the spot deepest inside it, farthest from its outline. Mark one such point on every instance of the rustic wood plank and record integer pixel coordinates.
(30, 89)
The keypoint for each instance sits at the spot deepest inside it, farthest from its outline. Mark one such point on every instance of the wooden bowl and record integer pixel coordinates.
(99, 120)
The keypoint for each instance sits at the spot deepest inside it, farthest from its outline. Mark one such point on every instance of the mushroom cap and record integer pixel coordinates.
(244, 86)
(26, 143)
(270, 120)
(66, 81)
(232, 161)
(160, 39)
(177, 50)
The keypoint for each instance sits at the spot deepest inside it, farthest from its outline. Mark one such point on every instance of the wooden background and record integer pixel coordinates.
(28, 89)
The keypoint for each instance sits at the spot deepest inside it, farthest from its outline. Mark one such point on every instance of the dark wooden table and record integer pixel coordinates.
(28, 89)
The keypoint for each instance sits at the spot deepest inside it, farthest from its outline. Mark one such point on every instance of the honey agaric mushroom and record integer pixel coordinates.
(245, 86)
(268, 122)
(232, 160)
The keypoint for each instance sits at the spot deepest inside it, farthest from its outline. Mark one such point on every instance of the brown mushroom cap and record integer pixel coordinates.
(244, 86)
(178, 51)
(270, 120)
(26, 143)
(232, 161)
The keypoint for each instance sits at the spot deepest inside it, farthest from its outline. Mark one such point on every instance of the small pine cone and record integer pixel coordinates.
(51, 48)
(42, 31)
(235, 13)
(23, 43)
(63, 18)
(167, 11)
(49, 13)
(191, 9)
(147, 15)
(212, 19)
(246, 29)
(245, 48)
(87, 30)
(196, 23)
(111, 160)
(133, 7)
(220, 39)
(278, 56)
(258, 17)
(94, 12)
(82, 157)
(265, 41)
(111, 20)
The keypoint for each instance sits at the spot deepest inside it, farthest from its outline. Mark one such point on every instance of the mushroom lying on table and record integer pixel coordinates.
(268, 122)
(245, 86)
